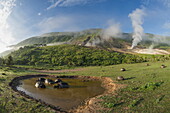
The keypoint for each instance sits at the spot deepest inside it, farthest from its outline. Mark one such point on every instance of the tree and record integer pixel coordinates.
(9, 61)
(1, 61)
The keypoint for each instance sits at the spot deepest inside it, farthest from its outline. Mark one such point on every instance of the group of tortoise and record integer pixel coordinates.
(123, 69)
(58, 83)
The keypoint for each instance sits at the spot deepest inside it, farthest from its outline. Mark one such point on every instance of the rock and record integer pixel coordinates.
(120, 78)
(123, 69)
(40, 85)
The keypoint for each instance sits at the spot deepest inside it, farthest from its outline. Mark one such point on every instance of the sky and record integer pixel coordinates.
(21, 19)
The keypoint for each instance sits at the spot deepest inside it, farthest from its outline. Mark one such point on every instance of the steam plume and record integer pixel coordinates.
(113, 30)
(136, 18)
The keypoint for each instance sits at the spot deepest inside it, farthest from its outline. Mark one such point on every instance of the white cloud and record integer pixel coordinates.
(20, 4)
(58, 23)
(166, 25)
(6, 36)
(54, 4)
(66, 3)
(39, 14)
(145, 2)
(164, 2)
(74, 2)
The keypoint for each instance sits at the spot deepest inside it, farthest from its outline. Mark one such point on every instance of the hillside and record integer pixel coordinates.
(55, 37)
(70, 55)
(95, 38)
(90, 37)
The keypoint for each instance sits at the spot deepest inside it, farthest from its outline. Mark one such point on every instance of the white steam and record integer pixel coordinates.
(113, 30)
(137, 21)
(157, 39)
(5, 34)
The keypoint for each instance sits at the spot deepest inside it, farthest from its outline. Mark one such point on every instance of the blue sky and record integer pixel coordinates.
(34, 17)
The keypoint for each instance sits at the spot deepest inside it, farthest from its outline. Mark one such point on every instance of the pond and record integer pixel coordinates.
(66, 98)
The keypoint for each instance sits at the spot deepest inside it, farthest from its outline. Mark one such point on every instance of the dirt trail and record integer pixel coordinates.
(59, 71)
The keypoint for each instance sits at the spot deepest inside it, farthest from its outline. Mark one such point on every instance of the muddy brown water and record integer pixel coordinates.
(67, 98)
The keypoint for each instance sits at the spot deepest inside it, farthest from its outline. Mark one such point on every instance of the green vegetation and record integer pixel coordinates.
(150, 85)
(55, 37)
(88, 36)
(146, 88)
(11, 101)
(70, 55)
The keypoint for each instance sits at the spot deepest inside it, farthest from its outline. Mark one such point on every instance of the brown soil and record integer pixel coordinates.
(91, 105)
(59, 71)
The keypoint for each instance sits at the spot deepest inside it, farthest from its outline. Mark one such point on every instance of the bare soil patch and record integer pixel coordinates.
(59, 71)
(151, 51)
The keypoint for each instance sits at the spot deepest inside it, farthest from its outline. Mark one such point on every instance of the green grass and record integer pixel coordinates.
(11, 101)
(146, 91)
(147, 88)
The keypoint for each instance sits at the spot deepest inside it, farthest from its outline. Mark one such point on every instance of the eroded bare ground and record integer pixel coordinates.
(93, 105)
(58, 71)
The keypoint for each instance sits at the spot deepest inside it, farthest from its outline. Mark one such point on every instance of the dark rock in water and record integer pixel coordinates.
(163, 66)
(49, 81)
(123, 69)
(40, 85)
(120, 78)
(62, 85)
(58, 80)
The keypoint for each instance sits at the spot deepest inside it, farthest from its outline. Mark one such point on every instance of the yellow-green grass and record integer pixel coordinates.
(135, 97)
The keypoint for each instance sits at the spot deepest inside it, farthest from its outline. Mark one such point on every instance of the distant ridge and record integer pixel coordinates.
(94, 38)
(54, 37)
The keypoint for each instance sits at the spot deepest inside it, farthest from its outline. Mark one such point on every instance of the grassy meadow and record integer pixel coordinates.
(146, 88)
